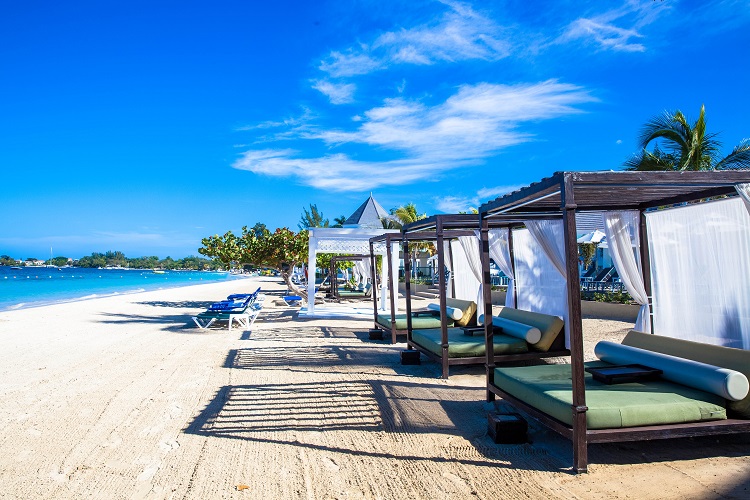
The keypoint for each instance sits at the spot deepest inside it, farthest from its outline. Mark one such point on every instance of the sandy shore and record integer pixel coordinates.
(122, 397)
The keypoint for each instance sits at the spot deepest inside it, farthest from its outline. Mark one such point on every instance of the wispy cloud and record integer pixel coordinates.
(459, 34)
(475, 122)
(616, 29)
(455, 204)
(337, 93)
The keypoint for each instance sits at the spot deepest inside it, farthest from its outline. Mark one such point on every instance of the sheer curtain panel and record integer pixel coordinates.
(700, 272)
(500, 253)
(470, 244)
(623, 239)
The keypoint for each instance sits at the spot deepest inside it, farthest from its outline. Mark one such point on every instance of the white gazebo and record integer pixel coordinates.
(348, 241)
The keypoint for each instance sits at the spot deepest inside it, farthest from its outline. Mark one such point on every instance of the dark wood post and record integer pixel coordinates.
(575, 327)
(443, 302)
(646, 266)
(407, 286)
(489, 338)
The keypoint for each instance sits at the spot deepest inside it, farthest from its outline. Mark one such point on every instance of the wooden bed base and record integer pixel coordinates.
(446, 361)
(642, 433)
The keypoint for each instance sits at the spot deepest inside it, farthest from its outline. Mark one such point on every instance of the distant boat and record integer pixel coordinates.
(16, 267)
(158, 271)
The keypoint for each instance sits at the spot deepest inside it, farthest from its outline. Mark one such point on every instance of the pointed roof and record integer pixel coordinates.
(368, 214)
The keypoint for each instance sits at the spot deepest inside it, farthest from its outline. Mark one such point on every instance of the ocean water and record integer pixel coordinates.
(37, 286)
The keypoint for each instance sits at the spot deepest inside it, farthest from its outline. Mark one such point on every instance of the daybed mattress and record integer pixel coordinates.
(548, 388)
(421, 321)
(465, 346)
(351, 293)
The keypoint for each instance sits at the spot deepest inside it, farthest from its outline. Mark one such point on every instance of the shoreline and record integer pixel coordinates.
(122, 292)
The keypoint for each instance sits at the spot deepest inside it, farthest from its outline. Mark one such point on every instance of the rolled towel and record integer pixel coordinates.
(452, 312)
(729, 384)
(530, 334)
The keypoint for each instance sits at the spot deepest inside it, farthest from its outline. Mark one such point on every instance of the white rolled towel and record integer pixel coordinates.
(729, 384)
(451, 312)
(530, 334)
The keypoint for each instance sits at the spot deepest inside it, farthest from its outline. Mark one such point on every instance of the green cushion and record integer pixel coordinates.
(351, 293)
(725, 357)
(419, 321)
(550, 326)
(549, 388)
(465, 346)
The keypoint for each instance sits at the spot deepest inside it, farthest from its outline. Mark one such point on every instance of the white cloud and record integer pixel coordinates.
(460, 34)
(618, 141)
(337, 93)
(607, 36)
(455, 204)
(486, 194)
(474, 123)
(616, 29)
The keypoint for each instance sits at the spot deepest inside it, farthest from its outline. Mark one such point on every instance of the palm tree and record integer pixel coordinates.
(688, 147)
(401, 216)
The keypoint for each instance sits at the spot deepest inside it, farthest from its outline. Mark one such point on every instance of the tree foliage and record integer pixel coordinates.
(686, 146)
(281, 250)
(312, 218)
(587, 251)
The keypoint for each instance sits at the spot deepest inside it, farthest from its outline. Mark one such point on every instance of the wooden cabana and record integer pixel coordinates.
(438, 229)
(388, 240)
(559, 198)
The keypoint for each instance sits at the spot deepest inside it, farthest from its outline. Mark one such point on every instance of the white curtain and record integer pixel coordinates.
(500, 253)
(366, 267)
(548, 236)
(470, 245)
(623, 239)
(466, 284)
(448, 259)
(700, 269)
(744, 191)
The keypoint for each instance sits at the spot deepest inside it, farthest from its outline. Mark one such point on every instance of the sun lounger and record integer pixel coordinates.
(244, 313)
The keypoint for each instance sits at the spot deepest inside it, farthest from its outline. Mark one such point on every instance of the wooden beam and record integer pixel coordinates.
(575, 327)
(407, 286)
(489, 330)
(443, 301)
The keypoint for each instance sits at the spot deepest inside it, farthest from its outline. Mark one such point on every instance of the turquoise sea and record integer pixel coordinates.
(37, 286)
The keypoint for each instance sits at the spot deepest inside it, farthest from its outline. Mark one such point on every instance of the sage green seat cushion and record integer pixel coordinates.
(351, 293)
(725, 357)
(418, 321)
(466, 346)
(550, 326)
(548, 388)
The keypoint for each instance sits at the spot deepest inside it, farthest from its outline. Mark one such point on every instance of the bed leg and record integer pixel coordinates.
(580, 441)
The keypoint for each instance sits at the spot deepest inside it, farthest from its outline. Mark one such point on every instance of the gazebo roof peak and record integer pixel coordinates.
(369, 214)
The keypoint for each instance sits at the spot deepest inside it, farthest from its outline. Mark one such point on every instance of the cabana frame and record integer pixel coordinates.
(334, 274)
(563, 195)
(446, 227)
(388, 239)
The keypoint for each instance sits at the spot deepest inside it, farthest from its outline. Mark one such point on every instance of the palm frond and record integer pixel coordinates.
(738, 159)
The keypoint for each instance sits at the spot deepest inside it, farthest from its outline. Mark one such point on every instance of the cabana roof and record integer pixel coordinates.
(613, 190)
(446, 221)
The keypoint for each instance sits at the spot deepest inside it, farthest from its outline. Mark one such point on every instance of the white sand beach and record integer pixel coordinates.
(123, 397)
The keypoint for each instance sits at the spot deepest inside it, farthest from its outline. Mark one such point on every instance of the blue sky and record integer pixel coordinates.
(144, 126)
